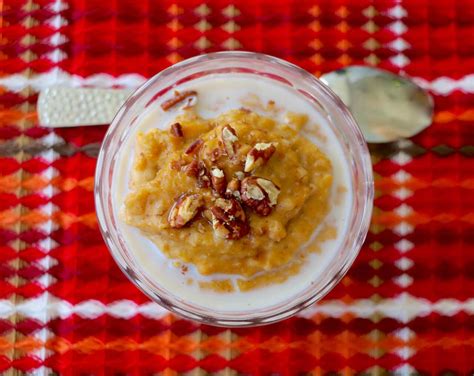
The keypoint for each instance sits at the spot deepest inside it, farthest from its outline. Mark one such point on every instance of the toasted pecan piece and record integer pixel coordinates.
(218, 180)
(229, 139)
(178, 97)
(258, 155)
(259, 194)
(184, 209)
(228, 219)
(194, 147)
(177, 130)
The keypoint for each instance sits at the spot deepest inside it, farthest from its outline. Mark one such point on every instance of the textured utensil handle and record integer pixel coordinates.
(69, 107)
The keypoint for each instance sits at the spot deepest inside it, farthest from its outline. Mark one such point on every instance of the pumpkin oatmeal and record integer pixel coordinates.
(233, 189)
(237, 194)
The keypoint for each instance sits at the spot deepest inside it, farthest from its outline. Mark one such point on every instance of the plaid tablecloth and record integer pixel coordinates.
(407, 304)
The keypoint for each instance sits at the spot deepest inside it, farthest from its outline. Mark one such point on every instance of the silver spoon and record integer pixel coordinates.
(387, 107)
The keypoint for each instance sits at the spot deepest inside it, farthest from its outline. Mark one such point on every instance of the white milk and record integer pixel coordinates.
(219, 94)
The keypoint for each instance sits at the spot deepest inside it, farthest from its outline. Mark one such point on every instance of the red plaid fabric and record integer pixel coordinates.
(406, 306)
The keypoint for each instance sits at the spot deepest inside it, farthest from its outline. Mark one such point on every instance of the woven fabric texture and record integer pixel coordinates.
(406, 306)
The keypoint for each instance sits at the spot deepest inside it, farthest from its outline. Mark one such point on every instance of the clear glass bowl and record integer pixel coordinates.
(341, 122)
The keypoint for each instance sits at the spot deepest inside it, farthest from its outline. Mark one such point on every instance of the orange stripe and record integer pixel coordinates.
(87, 183)
(5, 345)
(68, 184)
(90, 220)
(35, 183)
(389, 185)
(9, 183)
(8, 218)
(390, 219)
(34, 218)
(122, 345)
(88, 345)
(167, 344)
(7, 117)
(64, 220)
(28, 344)
(214, 345)
(448, 116)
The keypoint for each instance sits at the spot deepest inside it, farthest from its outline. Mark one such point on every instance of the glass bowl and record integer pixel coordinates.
(329, 105)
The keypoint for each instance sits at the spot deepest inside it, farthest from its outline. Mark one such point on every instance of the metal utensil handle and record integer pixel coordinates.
(70, 107)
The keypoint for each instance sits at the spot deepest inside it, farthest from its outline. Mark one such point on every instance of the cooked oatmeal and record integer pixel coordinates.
(238, 194)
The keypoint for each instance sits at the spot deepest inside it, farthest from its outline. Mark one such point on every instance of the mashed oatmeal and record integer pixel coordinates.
(236, 194)
(177, 193)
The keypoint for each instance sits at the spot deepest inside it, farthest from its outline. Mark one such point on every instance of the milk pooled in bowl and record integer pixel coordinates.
(217, 95)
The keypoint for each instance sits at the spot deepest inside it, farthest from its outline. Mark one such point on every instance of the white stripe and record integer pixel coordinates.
(446, 85)
(46, 279)
(397, 12)
(403, 228)
(404, 308)
(399, 44)
(58, 77)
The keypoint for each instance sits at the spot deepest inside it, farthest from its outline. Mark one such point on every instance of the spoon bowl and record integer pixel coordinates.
(387, 107)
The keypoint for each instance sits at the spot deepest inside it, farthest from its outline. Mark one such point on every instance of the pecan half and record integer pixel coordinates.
(258, 155)
(194, 147)
(259, 194)
(228, 219)
(229, 138)
(184, 209)
(233, 189)
(178, 97)
(218, 180)
(177, 130)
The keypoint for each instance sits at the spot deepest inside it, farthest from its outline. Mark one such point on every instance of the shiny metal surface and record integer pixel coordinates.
(387, 107)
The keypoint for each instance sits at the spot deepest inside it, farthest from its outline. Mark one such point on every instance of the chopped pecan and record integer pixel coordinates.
(178, 97)
(198, 170)
(240, 175)
(228, 219)
(177, 164)
(207, 215)
(233, 189)
(194, 147)
(184, 209)
(271, 190)
(190, 102)
(229, 138)
(259, 194)
(218, 180)
(215, 154)
(192, 169)
(258, 155)
(203, 178)
(177, 130)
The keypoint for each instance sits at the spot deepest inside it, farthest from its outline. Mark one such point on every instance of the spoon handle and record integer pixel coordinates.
(72, 107)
